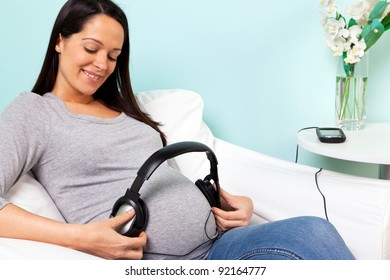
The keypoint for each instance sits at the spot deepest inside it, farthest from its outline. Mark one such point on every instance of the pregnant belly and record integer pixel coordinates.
(181, 224)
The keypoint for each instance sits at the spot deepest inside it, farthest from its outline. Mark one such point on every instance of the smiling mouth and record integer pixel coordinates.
(91, 76)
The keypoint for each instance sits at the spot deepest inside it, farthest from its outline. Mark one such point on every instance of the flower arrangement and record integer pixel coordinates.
(352, 38)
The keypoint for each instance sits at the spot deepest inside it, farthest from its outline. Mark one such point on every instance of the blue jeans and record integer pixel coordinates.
(302, 238)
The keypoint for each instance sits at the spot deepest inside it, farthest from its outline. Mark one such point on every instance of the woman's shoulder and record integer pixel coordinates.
(26, 101)
(28, 98)
(27, 106)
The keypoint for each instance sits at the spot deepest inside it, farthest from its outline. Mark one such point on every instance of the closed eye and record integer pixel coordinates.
(112, 58)
(90, 50)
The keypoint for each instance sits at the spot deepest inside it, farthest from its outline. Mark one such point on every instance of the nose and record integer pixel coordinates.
(101, 61)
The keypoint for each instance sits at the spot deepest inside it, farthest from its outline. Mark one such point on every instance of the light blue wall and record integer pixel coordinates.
(261, 66)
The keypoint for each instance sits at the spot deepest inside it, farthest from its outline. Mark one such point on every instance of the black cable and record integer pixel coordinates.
(316, 174)
(323, 196)
(210, 239)
(296, 152)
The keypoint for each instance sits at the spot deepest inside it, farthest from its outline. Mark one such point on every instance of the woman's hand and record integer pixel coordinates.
(97, 238)
(236, 211)
(101, 239)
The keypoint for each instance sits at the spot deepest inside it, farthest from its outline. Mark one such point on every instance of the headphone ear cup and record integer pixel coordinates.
(141, 223)
(138, 223)
(209, 192)
(140, 219)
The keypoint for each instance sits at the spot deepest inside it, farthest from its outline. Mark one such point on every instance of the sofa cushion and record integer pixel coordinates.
(180, 113)
(29, 194)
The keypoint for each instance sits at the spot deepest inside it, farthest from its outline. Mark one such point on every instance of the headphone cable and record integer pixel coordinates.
(323, 196)
(210, 239)
(315, 175)
(296, 151)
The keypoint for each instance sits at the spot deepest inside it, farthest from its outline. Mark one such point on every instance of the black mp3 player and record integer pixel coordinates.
(330, 135)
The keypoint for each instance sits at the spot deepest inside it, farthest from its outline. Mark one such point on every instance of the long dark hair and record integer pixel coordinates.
(116, 92)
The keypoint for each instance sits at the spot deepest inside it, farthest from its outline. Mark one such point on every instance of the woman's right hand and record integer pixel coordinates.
(102, 240)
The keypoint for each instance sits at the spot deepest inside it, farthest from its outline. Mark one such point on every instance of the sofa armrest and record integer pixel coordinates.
(358, 207)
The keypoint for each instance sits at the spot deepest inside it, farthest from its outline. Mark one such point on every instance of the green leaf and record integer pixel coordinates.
(372, 32)
(352, 22)
(386, 21)
(378, 10)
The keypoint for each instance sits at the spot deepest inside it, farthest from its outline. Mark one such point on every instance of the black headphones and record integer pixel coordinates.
(132, 199)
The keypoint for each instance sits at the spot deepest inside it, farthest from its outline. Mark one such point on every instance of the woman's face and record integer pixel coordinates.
(88, 58)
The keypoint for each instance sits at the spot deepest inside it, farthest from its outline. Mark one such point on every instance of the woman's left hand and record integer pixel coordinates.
(236, 211)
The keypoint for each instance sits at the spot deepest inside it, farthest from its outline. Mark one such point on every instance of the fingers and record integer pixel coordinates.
(134, 248)
(134, 242)
(236, 212)
(228, 201)
(229, 219)
(229, 224)
(226, 215)
(233, 216)
(135, 254)
(225, 194)
(122, 218)
(137, 242)
(124, 248)
(104, 241)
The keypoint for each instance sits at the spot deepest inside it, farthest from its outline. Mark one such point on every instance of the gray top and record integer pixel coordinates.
(86, 163)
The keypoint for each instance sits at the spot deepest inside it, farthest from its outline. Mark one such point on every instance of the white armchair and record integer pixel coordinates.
(358, 207)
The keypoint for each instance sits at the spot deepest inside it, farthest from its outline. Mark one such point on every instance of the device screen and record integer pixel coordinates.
(331, 133)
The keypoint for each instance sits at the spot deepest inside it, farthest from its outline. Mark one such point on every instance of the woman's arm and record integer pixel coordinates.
(236, 211)
(97, 238)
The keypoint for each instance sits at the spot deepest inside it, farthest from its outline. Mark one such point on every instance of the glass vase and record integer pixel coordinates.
(351, 90)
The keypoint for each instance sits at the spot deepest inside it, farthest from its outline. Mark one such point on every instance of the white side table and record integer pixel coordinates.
(369, 145)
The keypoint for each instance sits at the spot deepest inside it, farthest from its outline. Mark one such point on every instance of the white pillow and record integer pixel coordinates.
(181, 114)
(30, 195)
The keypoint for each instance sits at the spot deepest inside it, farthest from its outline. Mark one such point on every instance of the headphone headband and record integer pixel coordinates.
(170, 151)
(132, 196)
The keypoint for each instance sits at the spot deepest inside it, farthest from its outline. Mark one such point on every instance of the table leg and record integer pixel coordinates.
(384, 171)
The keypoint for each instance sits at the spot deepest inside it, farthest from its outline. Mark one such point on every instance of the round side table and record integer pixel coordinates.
(369, 145)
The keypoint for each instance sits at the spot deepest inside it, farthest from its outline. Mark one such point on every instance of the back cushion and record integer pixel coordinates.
(181, 114)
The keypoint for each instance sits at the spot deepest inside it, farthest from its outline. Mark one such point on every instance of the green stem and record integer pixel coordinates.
(346, 86)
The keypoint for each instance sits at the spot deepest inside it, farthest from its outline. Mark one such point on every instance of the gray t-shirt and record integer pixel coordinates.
(86, 163)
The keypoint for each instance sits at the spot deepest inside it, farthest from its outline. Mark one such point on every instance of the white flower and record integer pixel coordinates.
(336, 29)
(356, 53)
(337, 46)
(344, 34)
(354, 34)
(360, 11)
(329, 5)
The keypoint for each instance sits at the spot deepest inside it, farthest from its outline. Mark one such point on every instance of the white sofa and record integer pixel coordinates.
(358, 207)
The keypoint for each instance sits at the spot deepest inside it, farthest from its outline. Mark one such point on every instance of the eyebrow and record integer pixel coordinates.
(100, 43)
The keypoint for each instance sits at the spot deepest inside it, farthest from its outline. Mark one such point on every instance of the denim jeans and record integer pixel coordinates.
(302, 238)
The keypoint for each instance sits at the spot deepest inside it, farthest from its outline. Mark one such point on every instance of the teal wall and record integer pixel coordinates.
(262, 67)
